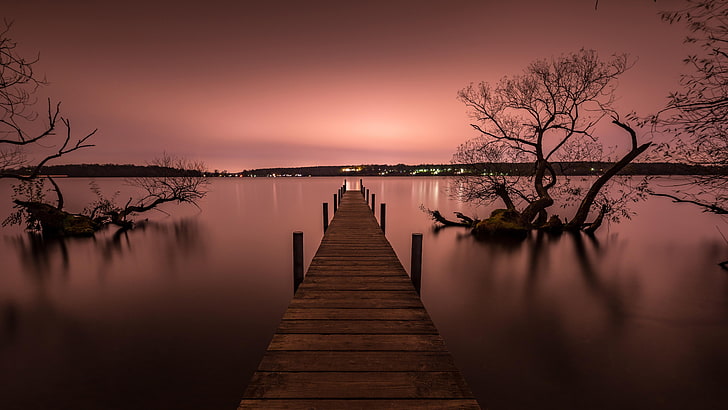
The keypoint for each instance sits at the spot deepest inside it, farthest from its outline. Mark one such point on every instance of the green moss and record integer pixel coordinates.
(502, 223)
(56, 222)
(75, 225)
(554, 225)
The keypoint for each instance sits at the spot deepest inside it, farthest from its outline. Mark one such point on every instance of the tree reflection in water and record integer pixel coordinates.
(45, 260)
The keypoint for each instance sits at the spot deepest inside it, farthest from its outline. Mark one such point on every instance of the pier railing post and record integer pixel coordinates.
(336, 202)
(383, 217)
(326, 216)
(416, 263)
(367, 196)
(373, 196)
(297, 259)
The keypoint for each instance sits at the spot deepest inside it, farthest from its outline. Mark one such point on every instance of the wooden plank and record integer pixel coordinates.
(358, 303)
(312, 293)
(359, 361)
(357, 385)
(424, 343)
(355, 314)
(354, 270)
(357, 327)
(351, 282)
(333, 404)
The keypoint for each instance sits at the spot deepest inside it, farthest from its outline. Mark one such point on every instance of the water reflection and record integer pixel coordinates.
(10, 322)
(584, 322)
(44, 255)
(633, 317)
(45, 260)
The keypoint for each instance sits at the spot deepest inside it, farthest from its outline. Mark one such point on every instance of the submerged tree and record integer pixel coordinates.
(545, 115)
(177, 180)
(697, 114)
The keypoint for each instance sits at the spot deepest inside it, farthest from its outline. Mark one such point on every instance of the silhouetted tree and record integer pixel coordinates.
(697, 113)
(176, 180)
(548, 113)
(160, 189)
(179, 181)
(20, 125)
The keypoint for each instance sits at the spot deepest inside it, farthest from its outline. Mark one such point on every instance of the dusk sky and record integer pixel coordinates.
(250, 84)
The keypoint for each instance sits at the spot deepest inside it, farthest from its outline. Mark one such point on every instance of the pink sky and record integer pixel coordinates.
(243, 84)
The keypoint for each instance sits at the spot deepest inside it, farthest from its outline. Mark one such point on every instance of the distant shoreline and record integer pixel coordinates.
(566, 168)
(515, 169)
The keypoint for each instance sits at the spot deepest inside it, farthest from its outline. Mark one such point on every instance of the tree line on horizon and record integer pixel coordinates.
(577, 168)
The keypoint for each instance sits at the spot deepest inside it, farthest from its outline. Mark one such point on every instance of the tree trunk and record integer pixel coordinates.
(583, 211)
(502, 192)
(466, 221)
(544, 199)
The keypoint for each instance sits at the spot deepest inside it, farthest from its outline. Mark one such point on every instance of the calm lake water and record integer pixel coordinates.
(177, 314)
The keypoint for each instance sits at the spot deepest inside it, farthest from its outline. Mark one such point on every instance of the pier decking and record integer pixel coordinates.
(356, 334)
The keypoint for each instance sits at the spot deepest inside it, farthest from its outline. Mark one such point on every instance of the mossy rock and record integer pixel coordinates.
(56, 222)
(76, 225)
(502, 223)
(554, 225)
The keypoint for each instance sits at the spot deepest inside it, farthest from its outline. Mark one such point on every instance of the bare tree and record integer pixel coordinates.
(697, 114)
(545, 114)
(20, 125)
(175, 180)
(21, 129)
(181, 181)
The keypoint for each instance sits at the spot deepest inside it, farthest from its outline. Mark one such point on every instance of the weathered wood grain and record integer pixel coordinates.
(357, 327)
(357, 361)
(327, 342)
(358, 385)
(333, 404)
(356, 314)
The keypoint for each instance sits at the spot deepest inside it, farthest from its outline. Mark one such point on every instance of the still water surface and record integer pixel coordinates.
(178, 313)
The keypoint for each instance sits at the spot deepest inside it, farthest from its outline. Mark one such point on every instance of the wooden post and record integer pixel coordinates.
(336, 202)
(416, 262)
(297, 259)
(383, 217)
(326, 216)
(367, 196)
(373, 196)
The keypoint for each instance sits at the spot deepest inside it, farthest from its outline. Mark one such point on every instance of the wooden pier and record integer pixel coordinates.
(356, 334)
